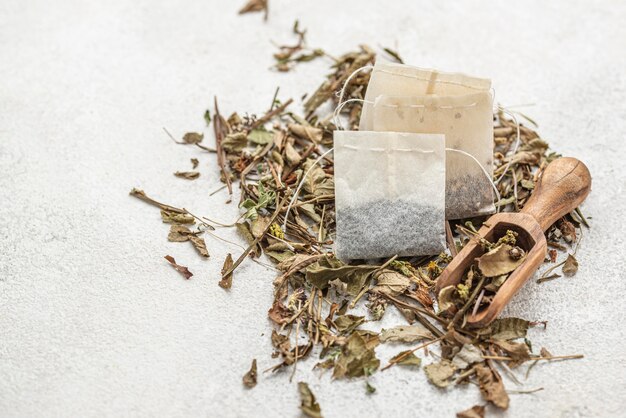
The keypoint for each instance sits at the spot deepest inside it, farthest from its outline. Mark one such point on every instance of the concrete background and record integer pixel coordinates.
(92, 320)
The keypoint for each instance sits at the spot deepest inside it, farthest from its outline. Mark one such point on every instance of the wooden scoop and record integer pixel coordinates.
(564, 184)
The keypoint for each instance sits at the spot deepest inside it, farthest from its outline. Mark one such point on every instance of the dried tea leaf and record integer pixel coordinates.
(187, 175)
(325, 270)
(406, 358)
(244, 231)
(253, 6)
(500, 261)
(199, 245)
(445, 299)
(184, 271)
(259, 225)
(491, 386)
(261, 136)
(571, 266)
(468, 355)
(193, 138)
(439, 373)
(176, 218)
(476, 411)
(279, 313)
(194, 163)
(307, 132)
(316, 182)
(518, 352)
(308, 403)
(345, 324)
(249, 379)
(405, 333)
(179, 233)
(227, 281)
(207, 117)
(293, 157)
(235, 143)
(356, 359)
(391, 282)
(369, 388)
(509, 328)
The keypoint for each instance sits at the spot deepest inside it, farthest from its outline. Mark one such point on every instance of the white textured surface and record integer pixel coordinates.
(92, 320)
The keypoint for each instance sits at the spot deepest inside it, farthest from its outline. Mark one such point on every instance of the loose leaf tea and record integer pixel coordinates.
(316, 293)
(187, 175)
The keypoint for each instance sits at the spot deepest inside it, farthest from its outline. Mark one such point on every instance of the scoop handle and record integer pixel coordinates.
(563, 185)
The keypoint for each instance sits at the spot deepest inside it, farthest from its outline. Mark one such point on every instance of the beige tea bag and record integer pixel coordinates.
(389, 194)
(401, 98)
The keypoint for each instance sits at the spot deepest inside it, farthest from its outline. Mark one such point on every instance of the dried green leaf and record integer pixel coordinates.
(259, 225)
(187, 175)
(227, 280)
(321, 273)
(356, 359)
(491, 386)
(308, 403)
(249, 379)
(316, 182)
(176, 218)
(184, 271)
(571, 266)
(193, 138)
(405, 333)
(291, 155)
(468, 355)
(234, 143)
(207, 117)
(476, 411)
(261, 136)
(369, 388)
(199, 245)
(501, 260)
(406, 358)
(439, 373)
(345, 324)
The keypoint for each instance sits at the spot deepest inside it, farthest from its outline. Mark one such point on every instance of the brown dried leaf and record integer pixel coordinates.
(518, 352)
(391, 282)
(491, 386)
(439, 373)
(176, 218)
(249, 379)
(571, 266)
(235, 143)
(307, 132)
(199, 245)
(194, 163)
(179, 233)
(509, 328)
(253, 6)
(308, 403)
(193, 138)
(244, 231)
(279, 313)
(499, 261)
(405, 333)
(476, 411)
(356, 359)
(187, 175)
(184, 271)
(406, 358)
(469, 354)
(227, 281)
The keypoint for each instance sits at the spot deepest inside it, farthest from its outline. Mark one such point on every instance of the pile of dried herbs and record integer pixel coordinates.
(315, 293)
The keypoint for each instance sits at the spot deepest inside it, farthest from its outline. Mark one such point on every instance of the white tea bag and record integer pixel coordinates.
(467, 123)
(389, 194)
(402, 98)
